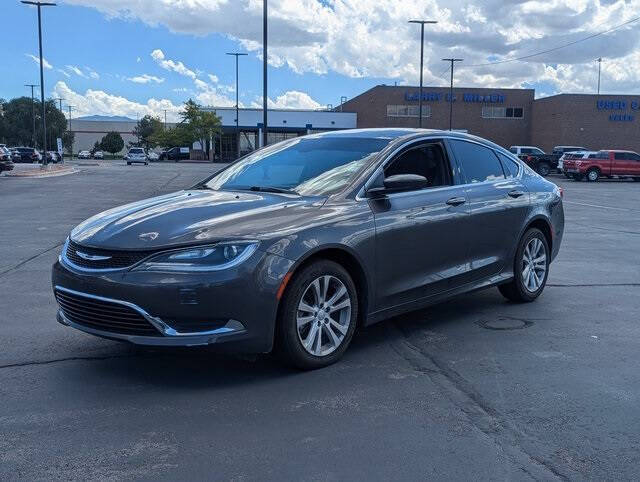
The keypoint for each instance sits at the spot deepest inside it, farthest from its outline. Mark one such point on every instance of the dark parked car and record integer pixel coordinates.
(28, 154)
(5, 159)
(298, 243)
(544, 164)
(175, 154)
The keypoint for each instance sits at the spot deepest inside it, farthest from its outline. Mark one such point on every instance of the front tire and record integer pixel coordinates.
(318, 316)
(593, 175)
(530, 269)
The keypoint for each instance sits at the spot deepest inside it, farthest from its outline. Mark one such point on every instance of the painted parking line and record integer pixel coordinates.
(599, 206)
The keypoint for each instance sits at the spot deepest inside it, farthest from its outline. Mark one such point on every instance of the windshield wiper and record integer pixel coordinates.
(273, 189)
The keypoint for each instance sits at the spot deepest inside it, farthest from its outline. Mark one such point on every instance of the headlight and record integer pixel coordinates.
(201, 258)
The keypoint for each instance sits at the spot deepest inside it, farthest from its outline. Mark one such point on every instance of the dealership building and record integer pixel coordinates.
(507, 116)
(282, 124)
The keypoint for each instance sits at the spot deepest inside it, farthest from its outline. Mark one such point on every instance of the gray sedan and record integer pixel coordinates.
(298, 244)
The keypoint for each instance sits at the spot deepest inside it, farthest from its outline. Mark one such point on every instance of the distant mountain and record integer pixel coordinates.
(105, 118)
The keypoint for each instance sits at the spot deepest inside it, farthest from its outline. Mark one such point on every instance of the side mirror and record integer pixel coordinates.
(399, 183)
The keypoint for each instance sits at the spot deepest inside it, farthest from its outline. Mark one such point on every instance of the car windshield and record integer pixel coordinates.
(306, 165)
(136, 150)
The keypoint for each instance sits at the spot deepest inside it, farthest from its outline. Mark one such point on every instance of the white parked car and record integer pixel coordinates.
(136, 155)
(98, 155)
(84, 155)
(153, 156)
(518, 150)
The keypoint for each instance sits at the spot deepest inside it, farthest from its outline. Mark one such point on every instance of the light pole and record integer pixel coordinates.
(33, 114)
(165, 119)
(451, 91)
(421, 22)
(44, 121)
(599, 60)
(236, 55)
(70, 131)
(264, 72)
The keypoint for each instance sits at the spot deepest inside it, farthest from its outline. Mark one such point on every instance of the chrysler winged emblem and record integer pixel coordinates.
(148, 236)
(92, 257)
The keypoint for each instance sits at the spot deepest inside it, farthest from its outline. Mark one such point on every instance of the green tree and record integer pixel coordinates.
(67, 141)
(17, 125)
(145, 130)
(203, 125)
(112, 142)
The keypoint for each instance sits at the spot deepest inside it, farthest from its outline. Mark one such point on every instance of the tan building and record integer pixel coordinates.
(507, 116)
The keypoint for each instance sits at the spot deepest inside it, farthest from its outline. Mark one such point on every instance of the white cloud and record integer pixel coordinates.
(371, 38)
(45, 64)
(92, 73)
(145, 79)
(76, 70)
(213, 78)
(98, 102)
(171, 65)
(200, 84)
(138, 60)
(291, 99)
(66, 74)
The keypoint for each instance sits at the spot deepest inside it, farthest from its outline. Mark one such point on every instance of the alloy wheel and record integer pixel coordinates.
(534, 265)
(323, 315)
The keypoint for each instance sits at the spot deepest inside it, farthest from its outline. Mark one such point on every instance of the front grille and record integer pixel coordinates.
(104, 315)
(117, 259)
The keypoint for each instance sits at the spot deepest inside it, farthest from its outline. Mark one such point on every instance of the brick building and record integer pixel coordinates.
(507, 116)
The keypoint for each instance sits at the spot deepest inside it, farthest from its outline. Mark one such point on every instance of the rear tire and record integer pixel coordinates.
(318, 316)
(544, 169)
(128, 163)
(530, 268)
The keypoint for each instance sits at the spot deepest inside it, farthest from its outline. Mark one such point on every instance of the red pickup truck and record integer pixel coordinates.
(604, 163)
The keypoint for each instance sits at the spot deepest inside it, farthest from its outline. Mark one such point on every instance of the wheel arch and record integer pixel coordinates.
(543, 225)
(350, 261)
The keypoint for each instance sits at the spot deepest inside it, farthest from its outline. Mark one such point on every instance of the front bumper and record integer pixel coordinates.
(237, 308)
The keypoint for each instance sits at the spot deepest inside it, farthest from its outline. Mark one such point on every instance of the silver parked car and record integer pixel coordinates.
(136, 155)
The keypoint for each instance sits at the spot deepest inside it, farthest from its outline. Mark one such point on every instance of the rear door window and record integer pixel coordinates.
(478, 163)
(510, 166)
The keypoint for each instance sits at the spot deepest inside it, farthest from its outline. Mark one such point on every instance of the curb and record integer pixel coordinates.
(57, 173)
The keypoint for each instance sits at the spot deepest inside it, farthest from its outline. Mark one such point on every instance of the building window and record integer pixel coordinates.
(491, 112)
(408, 110)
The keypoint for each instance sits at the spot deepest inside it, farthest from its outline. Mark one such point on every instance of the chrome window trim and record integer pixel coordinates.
(156, 322)
(360, 196)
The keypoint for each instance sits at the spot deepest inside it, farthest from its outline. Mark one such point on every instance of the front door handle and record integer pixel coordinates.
(515, 193)
(456, 201)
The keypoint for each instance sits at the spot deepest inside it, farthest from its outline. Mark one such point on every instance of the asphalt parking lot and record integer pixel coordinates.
(473, 388)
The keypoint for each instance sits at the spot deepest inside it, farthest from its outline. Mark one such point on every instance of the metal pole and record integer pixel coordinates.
(165, 119)
(71, 147)
(236, 55)
(599, 66)
(421, 22)
(264, 72)
(33, 114)
(451, 92)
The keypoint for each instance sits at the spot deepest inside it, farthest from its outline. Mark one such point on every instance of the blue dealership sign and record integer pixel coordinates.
(466, 97)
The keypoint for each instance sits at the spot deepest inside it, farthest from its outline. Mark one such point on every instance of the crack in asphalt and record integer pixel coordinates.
(478, 410)
(31, 258)
(71, 358)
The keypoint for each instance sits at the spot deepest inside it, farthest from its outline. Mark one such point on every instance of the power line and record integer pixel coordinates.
(553, 49)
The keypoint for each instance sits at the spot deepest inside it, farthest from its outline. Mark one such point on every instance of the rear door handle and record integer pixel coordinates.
(515, 193)
(456, 201)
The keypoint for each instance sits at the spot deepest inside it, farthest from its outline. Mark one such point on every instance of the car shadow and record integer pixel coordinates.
(203, 368)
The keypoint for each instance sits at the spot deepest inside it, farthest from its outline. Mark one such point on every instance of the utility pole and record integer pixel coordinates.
(165, 119)
(599, 60)
(236, 55)
(451, 91)
(44, 121)
(71, 147)
(33, 113)
(421, 22)
(264, 72)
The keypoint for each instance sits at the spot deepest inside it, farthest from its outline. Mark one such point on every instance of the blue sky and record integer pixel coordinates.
(129, 57)
(117, 49)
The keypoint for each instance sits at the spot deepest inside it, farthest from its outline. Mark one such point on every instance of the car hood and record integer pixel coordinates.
(195, 217)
